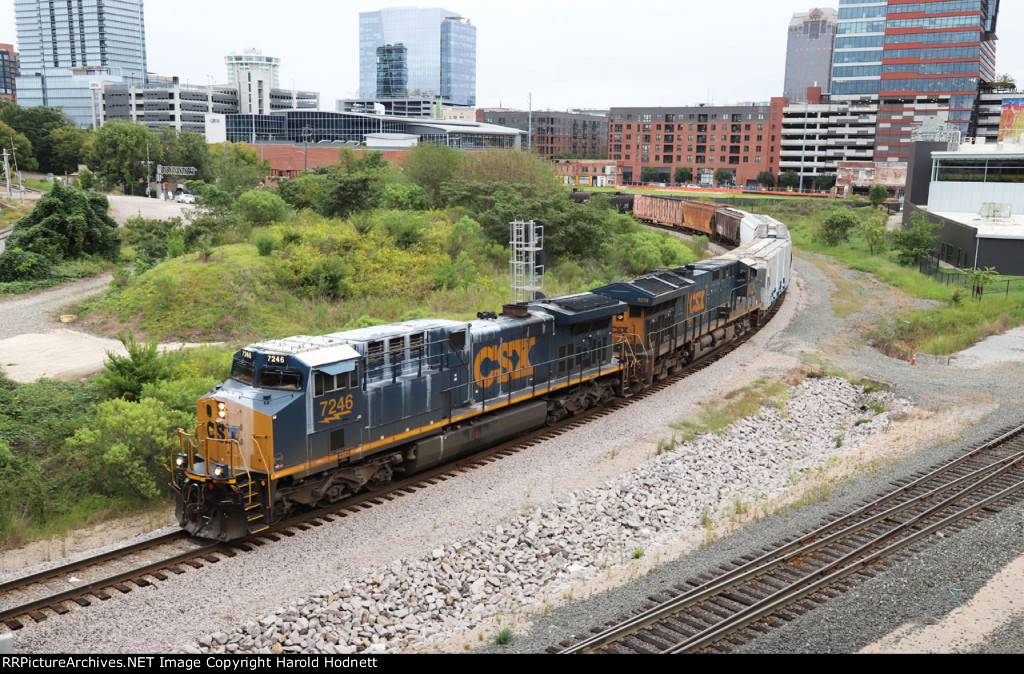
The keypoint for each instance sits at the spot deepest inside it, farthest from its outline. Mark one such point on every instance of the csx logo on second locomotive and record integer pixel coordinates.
(697, 302)
(502, 364)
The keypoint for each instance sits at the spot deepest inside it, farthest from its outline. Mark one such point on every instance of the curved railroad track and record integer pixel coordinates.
(757, 592)
(59, 590)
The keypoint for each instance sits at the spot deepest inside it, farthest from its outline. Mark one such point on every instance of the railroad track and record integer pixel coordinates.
(761, 591)
(59, 590)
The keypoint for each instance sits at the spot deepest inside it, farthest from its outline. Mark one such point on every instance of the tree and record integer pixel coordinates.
(981, 278)
(350, 194)
(236, 168)
(534, 172)
(836, 227)
(649, 174)
(878, 195)
(724, 177)
(1005, 81)
(684, 175)
(261, 207)
(69, 147)
(766, 179)
(36, 124)
(873, 230)
(119, 152)
(124, 376)
(187, 148)
(914, 244)
(67, 223)
(430, 166)
(23, 151)
(790, 180)
(825, 181)
(123, 450)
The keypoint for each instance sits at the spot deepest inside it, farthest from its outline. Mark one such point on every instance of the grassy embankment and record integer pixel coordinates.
(322, 276)
(959, 324)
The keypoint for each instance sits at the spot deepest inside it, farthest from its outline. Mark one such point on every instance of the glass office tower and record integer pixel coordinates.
(69, 46)
(409, 52)
(919, 59)
(812, 37)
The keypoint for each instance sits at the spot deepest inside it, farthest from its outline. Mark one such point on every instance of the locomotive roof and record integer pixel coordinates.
(332, 348)
(313, 351)
(574, 309)
(372, 334)
(661, 285)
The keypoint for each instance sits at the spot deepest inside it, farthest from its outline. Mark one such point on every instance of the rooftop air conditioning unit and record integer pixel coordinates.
(997, 211)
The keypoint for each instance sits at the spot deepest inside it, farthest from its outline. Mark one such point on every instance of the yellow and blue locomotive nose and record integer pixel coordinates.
(223, 489)
(233, 439)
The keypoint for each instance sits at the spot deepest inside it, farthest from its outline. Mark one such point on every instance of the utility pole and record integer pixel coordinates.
(529, 136)
(7, 174)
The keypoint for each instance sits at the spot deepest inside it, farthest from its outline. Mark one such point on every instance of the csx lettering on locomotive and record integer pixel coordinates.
(698, 302)
(504, 363)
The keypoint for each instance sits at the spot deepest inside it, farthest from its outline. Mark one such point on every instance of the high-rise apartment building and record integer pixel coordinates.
(256, 76)
(919, 59)
(9, 70)
(69, 48)
(409, 52)
(742, 140)
(812, 37)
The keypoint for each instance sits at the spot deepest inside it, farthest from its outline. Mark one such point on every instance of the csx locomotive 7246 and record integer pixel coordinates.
(312, 420)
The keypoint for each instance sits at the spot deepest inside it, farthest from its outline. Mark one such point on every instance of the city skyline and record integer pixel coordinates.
(609, 57)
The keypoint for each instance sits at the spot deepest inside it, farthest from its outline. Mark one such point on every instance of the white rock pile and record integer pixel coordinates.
(417, 602)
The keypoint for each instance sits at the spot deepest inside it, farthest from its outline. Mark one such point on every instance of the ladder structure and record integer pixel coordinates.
(527, 275)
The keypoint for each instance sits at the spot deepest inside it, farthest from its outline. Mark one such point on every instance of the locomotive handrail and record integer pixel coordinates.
(259, 448)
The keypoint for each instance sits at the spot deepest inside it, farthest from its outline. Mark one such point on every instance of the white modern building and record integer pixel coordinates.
(164, 102)
(255, 76)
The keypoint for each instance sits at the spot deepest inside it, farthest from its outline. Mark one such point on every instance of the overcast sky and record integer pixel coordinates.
(567, 53)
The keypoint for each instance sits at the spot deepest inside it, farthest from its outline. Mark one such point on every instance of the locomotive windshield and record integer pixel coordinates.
(243, 372)
(290, 380)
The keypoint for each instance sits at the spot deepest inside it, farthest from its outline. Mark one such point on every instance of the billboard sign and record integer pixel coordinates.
(1011, 125)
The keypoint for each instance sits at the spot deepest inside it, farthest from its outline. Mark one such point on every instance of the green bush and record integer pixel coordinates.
(262, 207)
(914, 244)
(836, 228)
(180, 395)
(124, 377)
(21, 265)
(125, 449)
(68, 224)
(265, 243)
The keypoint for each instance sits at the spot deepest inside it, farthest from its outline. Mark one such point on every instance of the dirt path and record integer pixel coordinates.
(39, 312)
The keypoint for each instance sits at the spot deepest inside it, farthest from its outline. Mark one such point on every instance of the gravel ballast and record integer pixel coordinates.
(417, 602)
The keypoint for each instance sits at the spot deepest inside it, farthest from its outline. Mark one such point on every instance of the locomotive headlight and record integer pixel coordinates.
(180, 460)
(220, 470)
(222, 410)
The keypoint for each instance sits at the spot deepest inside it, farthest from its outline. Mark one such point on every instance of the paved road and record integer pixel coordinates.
(122, 208)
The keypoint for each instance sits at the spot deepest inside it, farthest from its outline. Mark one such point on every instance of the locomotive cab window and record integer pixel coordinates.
(289, 380)
(243, 372)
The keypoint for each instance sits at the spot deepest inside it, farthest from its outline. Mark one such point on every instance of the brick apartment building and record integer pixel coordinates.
(9, 70)
(741, 139)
